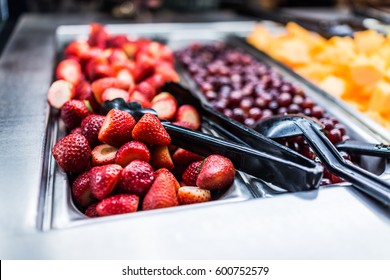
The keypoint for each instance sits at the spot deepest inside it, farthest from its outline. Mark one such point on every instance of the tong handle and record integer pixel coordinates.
(363, 180)
(370, 149)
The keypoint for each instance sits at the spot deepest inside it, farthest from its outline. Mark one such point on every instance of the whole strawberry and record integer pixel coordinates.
(72, 153)
(118, 204)
(91, 211)
(116, 128)
(137, 177)
(150, 130)
(103, 179)
(90, 128)
(81, 190)
(73, 112)
(162, 193)
(216, 173)
(191, 173)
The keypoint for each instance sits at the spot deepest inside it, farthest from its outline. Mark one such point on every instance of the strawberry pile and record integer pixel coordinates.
(116, 164)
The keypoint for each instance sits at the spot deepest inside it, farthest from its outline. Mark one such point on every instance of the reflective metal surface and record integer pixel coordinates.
(39, 222)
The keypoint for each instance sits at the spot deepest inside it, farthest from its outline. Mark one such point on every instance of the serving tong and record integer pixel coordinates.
(295, 125)
(269, 161)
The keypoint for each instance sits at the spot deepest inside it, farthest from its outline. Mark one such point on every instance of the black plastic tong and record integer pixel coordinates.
(289, 175)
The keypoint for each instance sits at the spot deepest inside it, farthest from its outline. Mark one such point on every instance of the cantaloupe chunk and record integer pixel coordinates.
(368, 41)
(364, 71)
(380, 99)
(334, 85)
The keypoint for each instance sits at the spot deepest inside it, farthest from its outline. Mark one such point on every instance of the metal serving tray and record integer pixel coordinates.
(57, 209)
(335, 222)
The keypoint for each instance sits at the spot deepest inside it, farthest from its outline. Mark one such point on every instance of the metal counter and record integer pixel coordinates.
(330, 223)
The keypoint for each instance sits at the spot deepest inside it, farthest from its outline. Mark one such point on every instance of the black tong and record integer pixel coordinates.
(291, 173)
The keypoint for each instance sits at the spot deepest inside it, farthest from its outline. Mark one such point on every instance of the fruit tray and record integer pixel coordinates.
(57, 208)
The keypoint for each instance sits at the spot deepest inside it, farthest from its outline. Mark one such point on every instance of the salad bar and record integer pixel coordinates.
(180, 140)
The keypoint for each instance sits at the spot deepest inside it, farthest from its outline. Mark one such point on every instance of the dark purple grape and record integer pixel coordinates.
(284, 99)
(255, 113)
(294, 109)
(317, 111)
(334, 136)
(249, 122)
(246, 103)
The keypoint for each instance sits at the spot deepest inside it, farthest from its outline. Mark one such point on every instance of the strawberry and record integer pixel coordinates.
(103, 179)
(96, 70)
(144, 66)
(191, 195)
(161, 158)
(77, 49)
(73, 112)
(156, 80)
(103, 154)
(150, 130)
(165, 106)
(117, 41)
(59, 92)
(216, 173)
(100, 85)
(191, 173)
(146, 89)
(76, 130)
(69, 70)
(139, 97)
(131, 151)
(81, 190)
(116, 128)
(72, 153)
(137, 177)
(167, 71)
(118, 204)
(185, 157)
(126, 78)
(91, 211)
(90, 127)
(97, 35)
(117, 56)
(83, 91)
(112, 93)
(162, 193)
(188, 113)
(160, 52)
(185, 124)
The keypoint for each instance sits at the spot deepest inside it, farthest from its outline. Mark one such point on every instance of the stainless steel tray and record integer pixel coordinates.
(331, 223)
(57, 209)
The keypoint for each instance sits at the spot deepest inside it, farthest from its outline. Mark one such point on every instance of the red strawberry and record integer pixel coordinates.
(76, 130)
(97, 35)
(165, 106)
(160, 52)
(137, 177)
(161, 158)
(162, 193)
(81, 190)
(103, 154)
(112, 93)
(185, 157)
(191, 173)
(118, 204)
(188, 113)
(167, 71)
(144, 66)
(100, 85)
(146, 89)
(116, 128)
(96, 70)
(78, 49)
(90, 127)
(69, 70)
(103, 179)
(185, 124)
(191, 195)
(131, 151)
(139, 97)
(91, 211)
(117, 56)
(84, 92)
(156, 80)
(150, 130)
(117, 41)
(73, 112)
(126, 78)
(72, 153)
(59, 92)
(216, 173)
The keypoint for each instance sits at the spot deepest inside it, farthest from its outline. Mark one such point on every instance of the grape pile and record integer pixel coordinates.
(248, 91)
